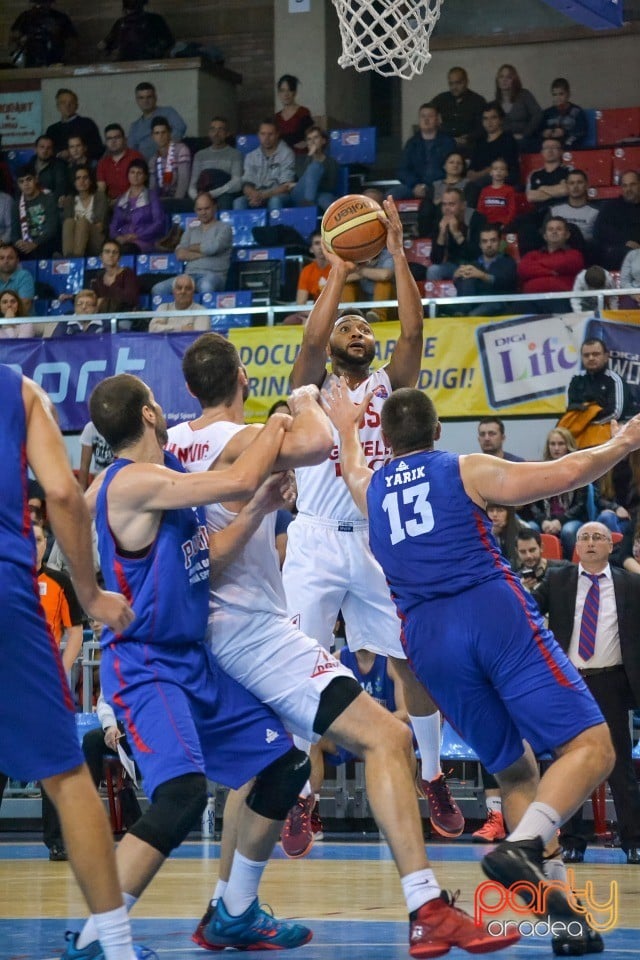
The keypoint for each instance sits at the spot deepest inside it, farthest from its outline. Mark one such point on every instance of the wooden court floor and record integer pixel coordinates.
(347, 892)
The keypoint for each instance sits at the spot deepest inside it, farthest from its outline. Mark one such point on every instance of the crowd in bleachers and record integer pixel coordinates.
(559, 188)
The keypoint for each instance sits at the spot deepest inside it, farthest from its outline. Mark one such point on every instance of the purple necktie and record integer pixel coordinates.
(589, 622)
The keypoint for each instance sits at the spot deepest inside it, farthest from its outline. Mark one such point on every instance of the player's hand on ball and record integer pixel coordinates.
(394, 226)
(346, 266)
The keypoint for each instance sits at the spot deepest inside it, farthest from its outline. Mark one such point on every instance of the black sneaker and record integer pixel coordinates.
(516, 860)
(57, 853)
(577, 945)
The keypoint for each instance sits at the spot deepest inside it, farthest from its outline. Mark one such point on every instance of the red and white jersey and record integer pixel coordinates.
(322, 491)
(252, 583)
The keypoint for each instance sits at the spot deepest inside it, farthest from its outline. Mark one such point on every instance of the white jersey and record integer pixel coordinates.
(322, 491)
(252, 583)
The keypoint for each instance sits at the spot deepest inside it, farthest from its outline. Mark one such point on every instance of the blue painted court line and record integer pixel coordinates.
(438, 852)
(332, 940)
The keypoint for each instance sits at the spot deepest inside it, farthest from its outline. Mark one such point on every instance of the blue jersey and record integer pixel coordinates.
(168, 583)
(17, 545)
(428, 536)
(377, 682)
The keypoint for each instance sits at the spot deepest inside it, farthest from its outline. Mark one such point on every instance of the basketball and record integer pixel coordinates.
(350, 228)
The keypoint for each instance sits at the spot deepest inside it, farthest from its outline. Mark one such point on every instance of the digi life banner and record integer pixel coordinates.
(471, 367)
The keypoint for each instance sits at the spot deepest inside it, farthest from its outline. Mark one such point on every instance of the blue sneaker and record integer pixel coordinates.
(93, 950)
(255, 929)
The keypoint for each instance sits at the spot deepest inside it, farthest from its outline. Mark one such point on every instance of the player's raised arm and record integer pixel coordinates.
(311, 362)
(404, 366)
(489, 479)
(47, 457)
(345, 416)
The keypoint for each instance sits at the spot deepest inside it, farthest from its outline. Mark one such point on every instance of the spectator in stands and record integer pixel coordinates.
(115, 286)
(532, 566)
(491, 437)
(596, 396)
(617, 226)
(505, 527)
(167, 321)
(205, 249)
(460, 109)
(292, 120)
(630, 277)
(11, 308)
(372, 280)
(40, 35)
(140, 137)
(35, 223)
(85, 303)
(84, 216)
(552, 268)
(52, 173)
(16, 278)
(5, 217)
(494, 144)
(170, 166)
(217, 169)
(522, 110)
(423, 156)
(564, 514)
(78, 156)
(458, 237)
(577, 210)
(497, 202)
(318, 173)
(564, 120)
(95, 450)
(138, 218)
(549, 183)
(429, 210)
(594, 278)
(113, 168)
(493, 273)
(269, 172)
(71, 124)
(137, 35)
(312, 279)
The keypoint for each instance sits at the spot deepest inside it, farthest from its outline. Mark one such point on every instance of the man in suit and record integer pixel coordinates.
(596, 623)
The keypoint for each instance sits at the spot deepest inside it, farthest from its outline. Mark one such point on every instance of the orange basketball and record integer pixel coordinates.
(350, 228)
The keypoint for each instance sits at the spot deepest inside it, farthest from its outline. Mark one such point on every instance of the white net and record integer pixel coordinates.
(388, 36)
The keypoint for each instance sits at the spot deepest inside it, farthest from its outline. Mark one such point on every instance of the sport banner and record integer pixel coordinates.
(471, 367)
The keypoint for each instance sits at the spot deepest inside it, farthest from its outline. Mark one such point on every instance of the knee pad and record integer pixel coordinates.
(176, 807)
(276, 789)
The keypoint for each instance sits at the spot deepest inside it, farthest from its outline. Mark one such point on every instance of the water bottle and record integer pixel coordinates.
(209, 819)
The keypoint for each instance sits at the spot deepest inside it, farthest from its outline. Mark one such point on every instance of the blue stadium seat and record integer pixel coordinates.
(95, 263)
(302, 219)
(246, 142)
(157, 298)
(591, 139)
(31, 266)
(250, 254)
(453, 748)
(183, 220)
(63, 276)
(86, 722)
(231, 300)
(60, 308)
(18, 158)
(356, 145)
(158, 263)
(242, 223)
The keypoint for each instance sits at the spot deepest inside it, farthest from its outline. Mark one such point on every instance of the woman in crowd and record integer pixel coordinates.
(522, 111)
(115, 286)
(84, 216)
(11, 308)
(292, 121)
(455, 170)
(138, 218)
(505, 528)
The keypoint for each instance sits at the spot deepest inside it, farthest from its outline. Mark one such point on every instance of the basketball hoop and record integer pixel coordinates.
(388, 36)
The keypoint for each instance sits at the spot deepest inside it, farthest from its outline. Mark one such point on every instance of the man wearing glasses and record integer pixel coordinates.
(114, 166)
(594, 612)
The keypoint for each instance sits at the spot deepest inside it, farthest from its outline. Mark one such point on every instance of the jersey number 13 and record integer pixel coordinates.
(422, 519)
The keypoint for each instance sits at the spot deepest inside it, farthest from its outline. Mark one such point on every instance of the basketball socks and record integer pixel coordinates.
(427, 733)
(554, 868)
(244, 880)
(493, 804)
(114, 933)
(306, 790)
(89, 932)
(218, 893)
(419, 888)
(539, 820)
